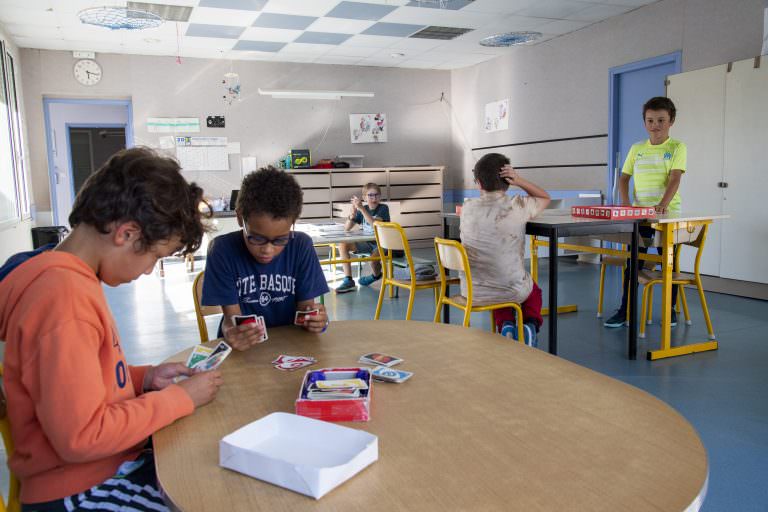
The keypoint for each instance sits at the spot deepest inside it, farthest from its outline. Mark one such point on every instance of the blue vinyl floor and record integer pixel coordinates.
(724, 394)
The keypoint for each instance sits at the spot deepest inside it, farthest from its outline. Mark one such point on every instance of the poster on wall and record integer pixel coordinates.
(368, 128)
(496, 116)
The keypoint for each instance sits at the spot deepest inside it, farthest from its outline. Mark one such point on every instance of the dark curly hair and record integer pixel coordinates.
(141, 186)
(660, 103)
(272, 192)
(487, 171)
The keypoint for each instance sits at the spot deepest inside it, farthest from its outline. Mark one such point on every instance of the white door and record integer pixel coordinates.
(59, 114)
(699, 98)
(745, 235)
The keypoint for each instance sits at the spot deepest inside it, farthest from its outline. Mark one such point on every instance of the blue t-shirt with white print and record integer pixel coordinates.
(380, 213)
(233, 276)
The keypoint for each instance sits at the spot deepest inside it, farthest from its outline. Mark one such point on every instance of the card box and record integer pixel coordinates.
(301, 454)
(350, 409)
(614, 212)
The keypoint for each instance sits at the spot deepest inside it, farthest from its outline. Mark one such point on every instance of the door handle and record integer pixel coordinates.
(722, 184)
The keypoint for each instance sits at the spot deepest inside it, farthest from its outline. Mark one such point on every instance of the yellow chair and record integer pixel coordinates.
(451, 255)
(13, 505)
(202, 311)
(651, 278)
(390, 236)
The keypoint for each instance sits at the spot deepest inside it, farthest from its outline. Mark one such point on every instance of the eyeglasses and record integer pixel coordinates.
(280, 241)
(374, 195)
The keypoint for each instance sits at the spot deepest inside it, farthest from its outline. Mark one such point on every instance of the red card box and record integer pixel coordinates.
(350, 409)
(614, 212)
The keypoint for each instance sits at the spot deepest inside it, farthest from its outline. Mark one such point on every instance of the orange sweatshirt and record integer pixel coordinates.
(76, 408)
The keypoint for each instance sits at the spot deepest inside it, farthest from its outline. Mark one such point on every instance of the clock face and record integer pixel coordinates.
(87, 72)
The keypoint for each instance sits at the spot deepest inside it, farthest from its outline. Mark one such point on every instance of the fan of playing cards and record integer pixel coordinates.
(206, 358)
(252, 319)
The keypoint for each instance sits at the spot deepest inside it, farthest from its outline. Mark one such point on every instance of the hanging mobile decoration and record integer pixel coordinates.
(231, 84)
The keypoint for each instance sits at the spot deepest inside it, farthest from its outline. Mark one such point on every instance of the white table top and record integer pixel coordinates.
(554, 216)
(331, 233)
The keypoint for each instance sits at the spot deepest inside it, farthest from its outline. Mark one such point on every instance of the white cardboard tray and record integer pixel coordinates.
(302, 454)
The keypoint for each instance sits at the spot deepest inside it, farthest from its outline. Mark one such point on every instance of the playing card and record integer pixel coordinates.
(260, 322)
(341, 384)
(293, 365)
(390, 374)
(282, 358)
(380, 359)
(198, 354)
(301, 316)
(244, 319)
(217, 357)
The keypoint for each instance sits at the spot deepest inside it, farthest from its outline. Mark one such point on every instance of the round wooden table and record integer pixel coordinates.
(484, 424)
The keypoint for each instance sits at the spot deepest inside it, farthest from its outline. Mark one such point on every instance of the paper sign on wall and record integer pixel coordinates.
(368, 127)
(173, 124)
(496, 116)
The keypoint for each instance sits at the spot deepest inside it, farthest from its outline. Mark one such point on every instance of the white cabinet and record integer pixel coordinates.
(723, 119)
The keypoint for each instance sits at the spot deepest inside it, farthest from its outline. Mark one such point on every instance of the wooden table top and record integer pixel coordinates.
(484, 424)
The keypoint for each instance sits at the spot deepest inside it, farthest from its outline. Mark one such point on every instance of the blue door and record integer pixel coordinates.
(630, 87)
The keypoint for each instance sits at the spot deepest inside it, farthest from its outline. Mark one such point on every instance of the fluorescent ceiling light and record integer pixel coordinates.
(313, 95)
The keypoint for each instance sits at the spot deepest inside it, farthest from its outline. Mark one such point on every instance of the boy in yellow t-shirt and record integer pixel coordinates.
(657, 164)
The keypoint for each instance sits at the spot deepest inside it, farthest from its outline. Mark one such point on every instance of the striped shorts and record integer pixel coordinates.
(132, 489)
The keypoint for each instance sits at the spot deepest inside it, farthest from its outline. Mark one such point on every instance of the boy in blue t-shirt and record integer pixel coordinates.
(365, 215)
(265, 268)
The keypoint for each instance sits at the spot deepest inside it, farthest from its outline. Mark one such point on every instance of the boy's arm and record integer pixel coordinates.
(624, 189)
(672, 185)
(539, 194)
(72, 408)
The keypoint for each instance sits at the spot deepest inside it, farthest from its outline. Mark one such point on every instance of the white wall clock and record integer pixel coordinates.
(87, 72)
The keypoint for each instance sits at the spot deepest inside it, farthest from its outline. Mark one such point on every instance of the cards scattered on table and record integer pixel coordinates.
(301, 316)
(379, 359)
(290, 363)
(251, 319)
(386, 374)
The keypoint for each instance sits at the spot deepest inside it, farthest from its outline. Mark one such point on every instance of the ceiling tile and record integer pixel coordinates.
(370, 41)
(322, 38)
(499, 6)
(330, 59)
(258, 46)
(439, 4)
(418, 64)
(218, 31)
(417, 16)
(411, 43)
(343, 50)
(287, 21)
(340, 25)
(553, 9)
(360, 11)
(305, 49)
(599, 12)
(315, 8)
(392, 29)
(224, 17)
(563, 26)
(245, 5)
(270, 34)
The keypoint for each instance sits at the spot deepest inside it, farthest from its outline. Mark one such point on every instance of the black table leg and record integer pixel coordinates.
(553, 291)
(446, 307)
(633, 271)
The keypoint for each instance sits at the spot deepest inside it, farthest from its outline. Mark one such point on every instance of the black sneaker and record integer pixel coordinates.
(619, 319)
(347, 285)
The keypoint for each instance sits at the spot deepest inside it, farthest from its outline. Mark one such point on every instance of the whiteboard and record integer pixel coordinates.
(203, 158)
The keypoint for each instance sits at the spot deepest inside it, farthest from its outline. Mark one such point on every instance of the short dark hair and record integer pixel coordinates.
(272, 192)
(487, 171)
(141, 186)
(660, 103)
(372, 185)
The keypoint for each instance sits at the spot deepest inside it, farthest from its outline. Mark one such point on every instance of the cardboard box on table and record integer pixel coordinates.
(304, 455)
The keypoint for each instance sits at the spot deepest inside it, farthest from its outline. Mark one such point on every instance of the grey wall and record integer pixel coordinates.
(265, 127)
(559, 88)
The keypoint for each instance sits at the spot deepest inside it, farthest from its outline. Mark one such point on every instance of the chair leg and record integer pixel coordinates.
(467, 313)
(649, 320)
(647, 292)
(519, 321)
(382, 291)
(704, 308)
(411, 298)
(600, 293)
(493, 321)
(682, 298)
(438, 309)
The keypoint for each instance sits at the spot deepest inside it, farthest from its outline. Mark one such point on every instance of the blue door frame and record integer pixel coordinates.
(674, 58)
(49, 143)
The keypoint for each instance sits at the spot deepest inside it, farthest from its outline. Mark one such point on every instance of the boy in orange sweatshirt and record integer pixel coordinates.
(80, 415)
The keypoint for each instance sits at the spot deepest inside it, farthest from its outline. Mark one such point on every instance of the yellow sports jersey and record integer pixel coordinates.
(651, 166)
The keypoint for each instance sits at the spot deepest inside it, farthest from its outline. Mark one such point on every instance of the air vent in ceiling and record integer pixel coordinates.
(435, 32)
(167, 12)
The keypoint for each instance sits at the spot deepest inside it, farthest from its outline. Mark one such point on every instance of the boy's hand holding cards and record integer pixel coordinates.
(253, 319)
(303, 316)
(205, 358)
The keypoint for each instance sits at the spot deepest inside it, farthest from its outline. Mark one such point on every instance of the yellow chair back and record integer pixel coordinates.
(202, 311)
(13, 504)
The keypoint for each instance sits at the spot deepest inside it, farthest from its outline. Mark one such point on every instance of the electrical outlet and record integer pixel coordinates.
(214, 121)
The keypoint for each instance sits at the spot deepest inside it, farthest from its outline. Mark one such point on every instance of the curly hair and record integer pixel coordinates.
(487, 171)
(272, 192)
(660, 103)
(141, 186)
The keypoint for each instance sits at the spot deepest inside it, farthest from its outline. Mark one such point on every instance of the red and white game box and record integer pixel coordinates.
(343, 409)
(614, 212)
